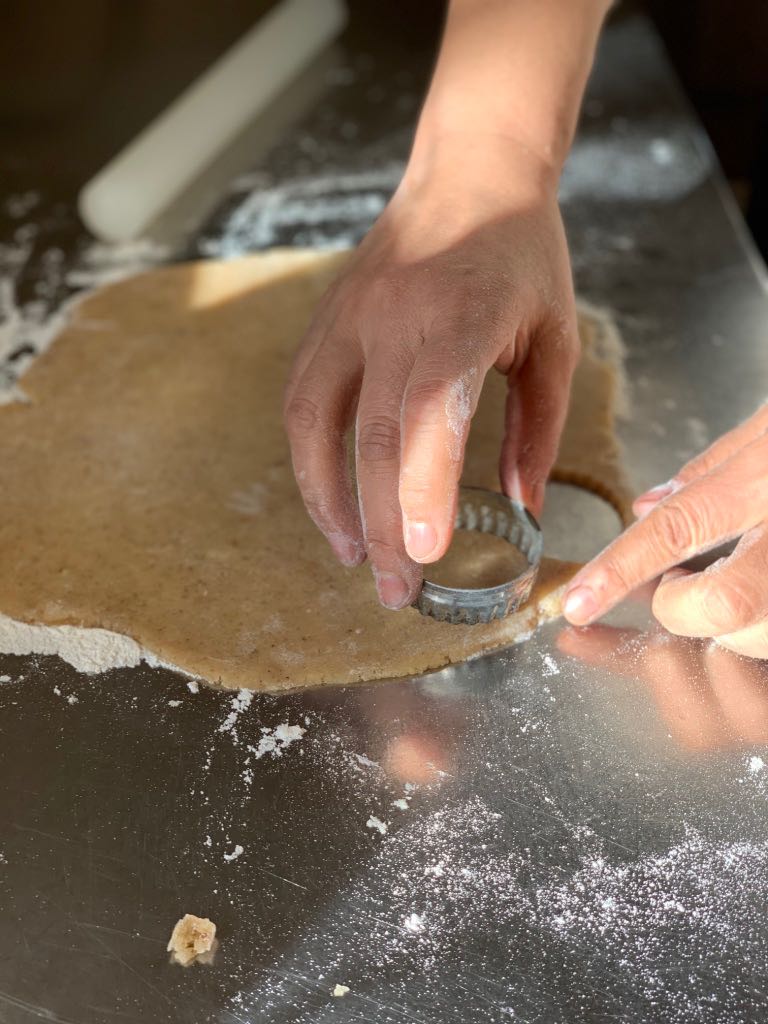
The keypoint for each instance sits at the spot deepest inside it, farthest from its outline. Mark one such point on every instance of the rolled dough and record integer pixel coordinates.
(147, 485)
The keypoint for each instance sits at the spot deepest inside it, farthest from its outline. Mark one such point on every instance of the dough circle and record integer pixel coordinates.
(147, 485)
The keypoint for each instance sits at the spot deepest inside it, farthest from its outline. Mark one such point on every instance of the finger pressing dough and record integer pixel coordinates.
(147, 487)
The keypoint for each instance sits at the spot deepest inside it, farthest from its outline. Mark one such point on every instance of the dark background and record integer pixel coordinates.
(79, 79)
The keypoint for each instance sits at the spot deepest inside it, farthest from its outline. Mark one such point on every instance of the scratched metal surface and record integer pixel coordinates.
(580, 826)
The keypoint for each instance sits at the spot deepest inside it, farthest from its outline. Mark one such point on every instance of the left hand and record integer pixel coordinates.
(719, 496)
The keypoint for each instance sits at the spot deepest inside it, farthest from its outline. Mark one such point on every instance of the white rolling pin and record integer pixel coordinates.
(142, 180)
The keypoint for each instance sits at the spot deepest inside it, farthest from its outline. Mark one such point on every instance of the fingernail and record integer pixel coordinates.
(348, 551)
(580, 606)
(420, 539)
(515, 487)
(393, 591)
(677, 573)
(658, 493)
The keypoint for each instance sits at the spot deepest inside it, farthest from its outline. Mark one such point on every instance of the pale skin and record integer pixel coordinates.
(467, 272)
(719, 496)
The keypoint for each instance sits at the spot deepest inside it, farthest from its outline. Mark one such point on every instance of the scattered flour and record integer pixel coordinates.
(330, 210)
(667, 929)
(275, 741)
(378, 824)
(551, 668)
(366, 761)
(239, 703)
(237, 852)
(250, 501)
(634, 163)
(414, 923)
(88, 650)
(102, 263)
(193, 686)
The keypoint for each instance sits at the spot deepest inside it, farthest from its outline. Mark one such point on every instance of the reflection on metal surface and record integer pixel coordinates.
(709, 698)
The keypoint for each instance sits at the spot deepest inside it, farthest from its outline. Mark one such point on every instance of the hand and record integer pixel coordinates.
(709, 698)
(721, 495)
(467, 269)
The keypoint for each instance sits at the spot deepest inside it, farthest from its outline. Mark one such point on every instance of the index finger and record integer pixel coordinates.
(714, 508)
(440, 399)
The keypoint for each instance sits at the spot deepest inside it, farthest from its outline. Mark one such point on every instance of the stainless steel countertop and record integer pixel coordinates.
(579, 837)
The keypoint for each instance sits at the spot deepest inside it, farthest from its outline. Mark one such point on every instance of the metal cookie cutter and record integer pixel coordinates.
(487, 512)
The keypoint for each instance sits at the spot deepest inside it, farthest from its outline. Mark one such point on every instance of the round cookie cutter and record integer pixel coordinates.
(487, 512)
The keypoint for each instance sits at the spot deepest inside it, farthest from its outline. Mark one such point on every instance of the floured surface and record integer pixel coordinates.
(148, 489)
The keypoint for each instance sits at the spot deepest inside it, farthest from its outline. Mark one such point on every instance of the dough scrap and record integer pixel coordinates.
(147, 485)
(192, 939)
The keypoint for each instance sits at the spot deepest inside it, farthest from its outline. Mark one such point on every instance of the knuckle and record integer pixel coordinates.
(728, 607)
(302, 416)
(381, 550)
(426, 393)
(378, 439)
(417, 496)
(617, 578)
(674, 529)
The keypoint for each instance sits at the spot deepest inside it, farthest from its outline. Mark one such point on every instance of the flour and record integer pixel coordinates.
(99, 263)
(549, 665)
(378, 824)
(19, 204)
(634, 162)
(326, 211)
(433, 882)
(458, 410)
(366, 761)
(89, 651)
(276, 741)
(249, 501)
(237, 852)
(238, 705)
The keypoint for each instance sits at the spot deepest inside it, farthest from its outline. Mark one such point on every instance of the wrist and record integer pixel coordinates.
(492, 164)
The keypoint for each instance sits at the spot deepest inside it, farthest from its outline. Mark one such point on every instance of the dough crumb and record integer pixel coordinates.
(341, 990)
(193, 938)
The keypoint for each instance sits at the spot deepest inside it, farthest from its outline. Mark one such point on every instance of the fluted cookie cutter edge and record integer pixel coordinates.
(487, 512)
